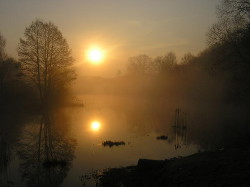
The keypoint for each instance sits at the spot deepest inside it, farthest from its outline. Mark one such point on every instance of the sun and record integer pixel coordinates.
(95, 125)
(95, 55)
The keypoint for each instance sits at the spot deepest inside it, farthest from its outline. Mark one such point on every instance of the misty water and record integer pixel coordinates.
(57, 148)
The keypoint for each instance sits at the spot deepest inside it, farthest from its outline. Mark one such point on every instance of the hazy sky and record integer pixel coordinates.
(123, 28)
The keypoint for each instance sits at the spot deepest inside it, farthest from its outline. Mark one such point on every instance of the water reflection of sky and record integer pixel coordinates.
(116, 124)
(102, 118)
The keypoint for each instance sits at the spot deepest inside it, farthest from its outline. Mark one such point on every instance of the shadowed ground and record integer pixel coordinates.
(220, 168)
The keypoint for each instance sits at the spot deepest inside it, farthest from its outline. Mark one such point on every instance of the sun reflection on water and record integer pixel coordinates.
(95, 126)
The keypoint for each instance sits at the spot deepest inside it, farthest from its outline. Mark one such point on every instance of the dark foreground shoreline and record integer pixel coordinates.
(215, 168)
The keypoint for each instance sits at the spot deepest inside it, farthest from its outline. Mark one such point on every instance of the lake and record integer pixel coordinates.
(57, 148)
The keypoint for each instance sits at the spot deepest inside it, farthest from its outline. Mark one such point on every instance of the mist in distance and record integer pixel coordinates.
(55, 118)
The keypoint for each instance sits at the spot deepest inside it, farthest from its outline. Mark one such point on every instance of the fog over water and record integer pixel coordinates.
(134, 84)
(67, 136)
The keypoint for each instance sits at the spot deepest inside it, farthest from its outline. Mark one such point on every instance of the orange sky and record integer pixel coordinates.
(123, 28)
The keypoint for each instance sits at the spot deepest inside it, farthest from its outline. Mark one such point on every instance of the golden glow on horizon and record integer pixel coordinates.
(95, 125)
(95, 56)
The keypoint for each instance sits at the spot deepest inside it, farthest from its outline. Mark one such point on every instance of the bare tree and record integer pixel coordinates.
(166, 63)
(46, 58)
(235, 8)
(141, 64)
(233, 18)
(232, 28)
(226, 30)
(187, 58)
(8, 66)
(2, 54)
(2, 48)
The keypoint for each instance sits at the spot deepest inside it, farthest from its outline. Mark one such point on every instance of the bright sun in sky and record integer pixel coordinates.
(95, 125)
(95, 55)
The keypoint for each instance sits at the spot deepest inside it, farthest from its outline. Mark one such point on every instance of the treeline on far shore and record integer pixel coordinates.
(220, 72)
(43, 73)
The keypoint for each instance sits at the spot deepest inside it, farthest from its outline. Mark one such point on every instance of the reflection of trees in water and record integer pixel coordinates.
(177, 135)
(5, 156)
(180, 128)
(149, 119)
(11, 122)
(46, 154)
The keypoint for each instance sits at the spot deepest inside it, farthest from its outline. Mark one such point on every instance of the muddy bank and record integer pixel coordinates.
(218, 168)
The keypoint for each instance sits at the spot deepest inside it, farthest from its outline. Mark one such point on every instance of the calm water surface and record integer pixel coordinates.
(56, 149)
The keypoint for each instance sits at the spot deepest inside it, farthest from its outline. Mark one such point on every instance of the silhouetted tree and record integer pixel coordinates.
(230, 44)
(235, 8)
(187, 58)
(2, 47)
(46, 58)
(9, 72)
(140, 65)
(2, 59)
(9, 69)
(233, 19)
(166, 64)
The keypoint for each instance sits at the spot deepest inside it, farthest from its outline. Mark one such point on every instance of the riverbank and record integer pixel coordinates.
(217, 168)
